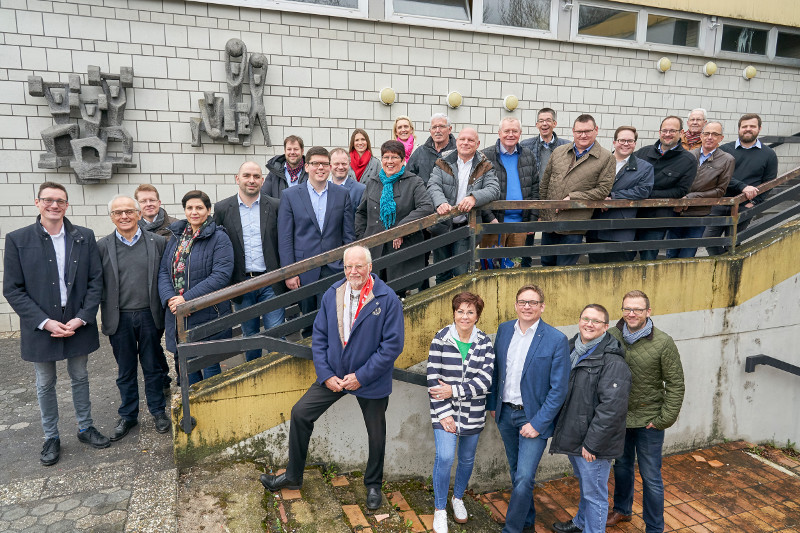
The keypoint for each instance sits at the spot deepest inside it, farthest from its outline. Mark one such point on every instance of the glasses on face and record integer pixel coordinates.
(592, 321)
(669, 132)
(319, 164)
(120, 212)
(528, 303)
(50, 201)
(390, 158)
(629, 310)
(545, 121)
(711, 133)
(348, 268)
(625, 141)
(582, 133)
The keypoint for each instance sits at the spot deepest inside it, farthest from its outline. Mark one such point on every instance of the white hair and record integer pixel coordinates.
(701, 110)
(118, 196)
(510, 119)
(440, 115)
(364, 249)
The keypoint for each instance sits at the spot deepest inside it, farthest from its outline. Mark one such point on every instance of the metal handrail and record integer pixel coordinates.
(752, 361)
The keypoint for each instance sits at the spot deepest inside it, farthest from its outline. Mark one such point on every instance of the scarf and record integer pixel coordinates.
(633, 336)
(181, 260)
(294, 173)
(156, 223)
(408, 145)
(347, 320)
(359, 162)
(581, 349)
(388, 209)
(692, 138)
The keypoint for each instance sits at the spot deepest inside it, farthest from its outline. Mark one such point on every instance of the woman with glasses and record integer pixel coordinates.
(403, 131)
(393, 198)
(460, 367)
(363, 163)
(198, 260)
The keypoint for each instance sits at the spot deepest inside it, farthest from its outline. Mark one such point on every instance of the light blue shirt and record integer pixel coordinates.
(319, 201)
(289, 181)
(739, 145)
(504, 151)
(127, 242)
(578, 153)
(663, 152)
(251, 236)
(704, 157)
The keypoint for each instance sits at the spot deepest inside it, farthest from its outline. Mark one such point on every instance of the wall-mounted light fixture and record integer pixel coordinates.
(566, 5)
(713, 22)
(388, 96)
(710, 68)
(454, 99)
(663, 64)
(510, 102)
(749, 72)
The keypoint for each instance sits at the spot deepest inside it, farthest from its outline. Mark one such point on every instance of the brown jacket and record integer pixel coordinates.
(687, 146)
(711, 180)
(589, 178)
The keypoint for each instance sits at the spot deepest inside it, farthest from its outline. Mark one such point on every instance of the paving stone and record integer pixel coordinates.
(340, 481)
(411, 516)
(290, 494)
(355, 516)
(397, 499)
(42, 509)
(14, 513)
(427, 520)
(51, 518)
(62, 526)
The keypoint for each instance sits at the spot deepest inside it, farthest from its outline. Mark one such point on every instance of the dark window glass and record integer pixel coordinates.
(744, 40)
(445, 9)
(670, 30)
(788, 45)
(602, 22)
(519, 13)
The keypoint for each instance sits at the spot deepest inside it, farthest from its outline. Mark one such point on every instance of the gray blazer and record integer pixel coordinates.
(109, 303)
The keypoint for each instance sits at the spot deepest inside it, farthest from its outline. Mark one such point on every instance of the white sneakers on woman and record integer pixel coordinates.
(459, 511)
(440, 521)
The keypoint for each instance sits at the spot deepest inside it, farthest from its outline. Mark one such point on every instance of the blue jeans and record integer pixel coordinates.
(137, 341)
(560, 260)
(646, 446)
(593, 506)
(523, 456)
(446, 252)
(48, 401)
(445, 454)
(684, 233)
(252, 326)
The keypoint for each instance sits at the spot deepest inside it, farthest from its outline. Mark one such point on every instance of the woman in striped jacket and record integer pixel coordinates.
(460, 366)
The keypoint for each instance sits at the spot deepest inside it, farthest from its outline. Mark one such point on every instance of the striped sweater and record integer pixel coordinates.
(470, 379)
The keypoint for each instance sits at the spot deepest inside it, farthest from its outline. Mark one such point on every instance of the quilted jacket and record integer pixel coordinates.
(657, 388)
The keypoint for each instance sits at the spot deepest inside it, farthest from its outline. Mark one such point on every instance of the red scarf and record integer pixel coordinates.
(359, 163)
(362, 298)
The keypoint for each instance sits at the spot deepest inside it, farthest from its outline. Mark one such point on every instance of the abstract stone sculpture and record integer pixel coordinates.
(83, 145)
(234, 121)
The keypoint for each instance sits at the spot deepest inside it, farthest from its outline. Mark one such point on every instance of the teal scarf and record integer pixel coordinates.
(388, 206)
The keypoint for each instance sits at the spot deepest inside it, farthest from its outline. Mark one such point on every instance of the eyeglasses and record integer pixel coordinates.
(637, 312)
(127, 212)
(50, 201)
(148, 202)
(592, 321)
(348, 268)
(669, 132)
(528, 303)
(582, 133)
(318, 164)
(711, 133)
(546, 121)
(625, 141)
(391, 158)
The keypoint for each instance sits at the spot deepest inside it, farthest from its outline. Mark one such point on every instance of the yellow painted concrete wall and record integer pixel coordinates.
(259, 395)
(781, 12)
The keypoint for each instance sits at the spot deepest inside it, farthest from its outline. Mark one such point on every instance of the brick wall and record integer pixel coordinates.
(323, 80)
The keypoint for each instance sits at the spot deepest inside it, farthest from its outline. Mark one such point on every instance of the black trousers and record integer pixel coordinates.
(311, 406)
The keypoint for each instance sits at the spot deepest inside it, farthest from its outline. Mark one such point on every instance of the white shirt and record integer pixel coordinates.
(464, 169)
(515, 361)
(622, 163)
(59, 245)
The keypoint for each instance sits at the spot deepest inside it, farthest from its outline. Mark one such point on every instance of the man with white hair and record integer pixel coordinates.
(690, 139)
(441, 140)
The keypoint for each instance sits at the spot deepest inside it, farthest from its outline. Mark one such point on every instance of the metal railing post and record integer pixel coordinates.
(734, 227)
(473, 217)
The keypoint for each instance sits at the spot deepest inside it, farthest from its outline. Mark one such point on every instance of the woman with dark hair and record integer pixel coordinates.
(460, 368)
(393, 198)
(363, 163)
(198, 260)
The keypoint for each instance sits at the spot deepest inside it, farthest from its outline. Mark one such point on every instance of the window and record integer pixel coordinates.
(334, 3)
(663, 29)
(744, 40)
(788, 45)
(603, 22)
(447, 9)
(533, 14)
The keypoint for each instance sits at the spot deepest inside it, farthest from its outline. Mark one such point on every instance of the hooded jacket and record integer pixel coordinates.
(275, 181)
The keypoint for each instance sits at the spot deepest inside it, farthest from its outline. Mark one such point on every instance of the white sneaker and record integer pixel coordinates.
(440, 521)
(459, 511)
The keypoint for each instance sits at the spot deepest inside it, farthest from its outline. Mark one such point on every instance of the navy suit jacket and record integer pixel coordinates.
(300, 236)
(545, 375)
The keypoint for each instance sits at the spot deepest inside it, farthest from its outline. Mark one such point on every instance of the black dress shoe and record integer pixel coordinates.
(51, 451)
(94, 438)
(122, 429)
(163, 423)
(374, 498)
(276, 483)
(566, 527)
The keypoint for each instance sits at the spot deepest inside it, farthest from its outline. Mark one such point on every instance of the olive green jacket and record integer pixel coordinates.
(657, 388)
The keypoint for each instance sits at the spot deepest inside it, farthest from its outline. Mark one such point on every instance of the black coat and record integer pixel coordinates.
(424, 158)
(673, 174)
(593, 415)
(634, 181)
(31, 287)
(528, 179)
(275, 180)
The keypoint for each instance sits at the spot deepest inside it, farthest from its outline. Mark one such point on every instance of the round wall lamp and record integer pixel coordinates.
(510, 102)
(388, 95)
(454, 99)
(749, 72)
(663, 64)
(710, 68)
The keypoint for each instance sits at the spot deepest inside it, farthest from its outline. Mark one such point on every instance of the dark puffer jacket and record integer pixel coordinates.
(424, 158)
(593, 415)
(673, 174)
(528, 179)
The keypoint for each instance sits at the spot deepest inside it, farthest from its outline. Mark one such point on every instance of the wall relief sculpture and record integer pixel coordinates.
(233, 120)
(84, 144)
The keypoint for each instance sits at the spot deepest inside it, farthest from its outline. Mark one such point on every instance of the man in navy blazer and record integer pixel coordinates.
(314, 217)
(531, 376)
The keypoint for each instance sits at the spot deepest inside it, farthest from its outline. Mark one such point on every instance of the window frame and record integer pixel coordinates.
(780, 59)
(308, 8)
